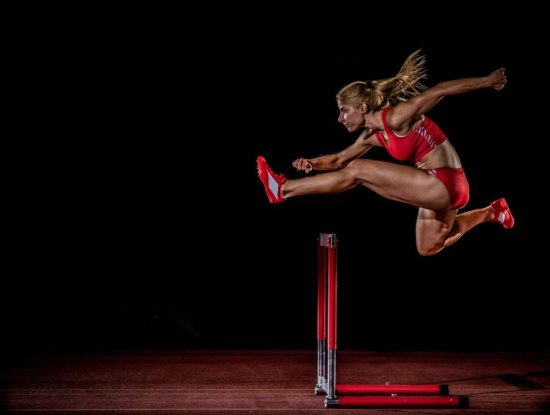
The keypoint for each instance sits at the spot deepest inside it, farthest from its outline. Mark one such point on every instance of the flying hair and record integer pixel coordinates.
(381, 93)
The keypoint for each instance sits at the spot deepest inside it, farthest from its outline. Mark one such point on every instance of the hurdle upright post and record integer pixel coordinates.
(327, 317)
(320, 387)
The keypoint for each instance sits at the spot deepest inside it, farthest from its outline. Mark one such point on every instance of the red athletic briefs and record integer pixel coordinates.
(456, 183)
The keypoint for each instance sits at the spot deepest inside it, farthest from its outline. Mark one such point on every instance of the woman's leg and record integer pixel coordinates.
(436, 230)
(436, 226)
(393, 181)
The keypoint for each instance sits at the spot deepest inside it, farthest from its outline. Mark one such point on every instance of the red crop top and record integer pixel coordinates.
(416, 144)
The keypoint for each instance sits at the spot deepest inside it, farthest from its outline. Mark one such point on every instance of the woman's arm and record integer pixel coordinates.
(338, 160)
(405, 114)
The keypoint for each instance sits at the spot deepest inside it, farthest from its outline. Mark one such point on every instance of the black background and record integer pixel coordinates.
(138, 219)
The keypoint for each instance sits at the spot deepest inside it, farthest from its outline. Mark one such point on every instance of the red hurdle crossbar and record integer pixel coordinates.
(432, 395)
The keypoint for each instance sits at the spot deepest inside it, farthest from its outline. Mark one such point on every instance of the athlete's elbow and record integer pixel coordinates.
(339, 163)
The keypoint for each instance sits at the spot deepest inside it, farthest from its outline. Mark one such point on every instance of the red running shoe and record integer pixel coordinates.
(272, 182)
(503, 215)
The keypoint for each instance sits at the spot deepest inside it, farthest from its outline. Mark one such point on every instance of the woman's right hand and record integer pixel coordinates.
(302, 164)
(497, 79)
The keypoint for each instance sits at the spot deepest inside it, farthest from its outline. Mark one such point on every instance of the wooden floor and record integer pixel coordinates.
(263, 382)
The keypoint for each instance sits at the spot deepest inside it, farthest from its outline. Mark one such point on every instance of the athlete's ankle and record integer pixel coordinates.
(490, 214)
(284, 192)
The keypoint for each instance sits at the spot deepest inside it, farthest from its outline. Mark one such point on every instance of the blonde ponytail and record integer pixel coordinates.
(379, 94)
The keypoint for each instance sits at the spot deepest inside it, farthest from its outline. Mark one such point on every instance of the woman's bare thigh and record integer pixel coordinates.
(401, 183)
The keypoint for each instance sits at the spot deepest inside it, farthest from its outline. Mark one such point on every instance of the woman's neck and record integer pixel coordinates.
(373, 120)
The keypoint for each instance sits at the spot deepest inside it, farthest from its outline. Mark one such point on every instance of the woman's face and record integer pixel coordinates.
(352, 118)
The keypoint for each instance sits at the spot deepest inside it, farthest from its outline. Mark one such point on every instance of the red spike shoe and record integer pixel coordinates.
(272, 181)
(503, 215)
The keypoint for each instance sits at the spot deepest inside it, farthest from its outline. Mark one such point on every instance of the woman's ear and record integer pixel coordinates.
(364, 108)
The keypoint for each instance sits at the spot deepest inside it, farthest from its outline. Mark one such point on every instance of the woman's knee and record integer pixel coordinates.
(430, 238)
(356, 169)
(357, 164)
(427, 250)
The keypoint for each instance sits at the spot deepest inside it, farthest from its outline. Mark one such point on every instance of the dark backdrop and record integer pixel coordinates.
(139, 220)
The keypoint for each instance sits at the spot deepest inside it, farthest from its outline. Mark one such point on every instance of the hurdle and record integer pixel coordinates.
(386, 395)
